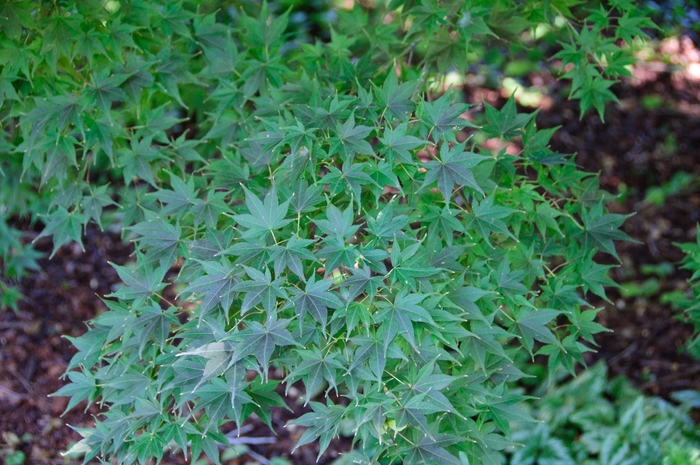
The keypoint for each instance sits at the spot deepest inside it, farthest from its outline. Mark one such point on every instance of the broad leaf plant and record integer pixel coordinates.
(308, 204)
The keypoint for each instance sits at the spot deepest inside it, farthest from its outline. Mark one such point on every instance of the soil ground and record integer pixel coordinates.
(653, 134)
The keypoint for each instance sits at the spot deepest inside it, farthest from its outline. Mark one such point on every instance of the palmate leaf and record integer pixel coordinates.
(265, 216)
(261, 288)
(506, 122)
(315, 368)
(63, 226)
(323, 422)
(595, 277)
(440, 119)
(337, 252)
(351, 140)
(160, 240)
(531, 324)
(178, 200)
(431, 450)
(82, 386)
(316, 300)
(261, 341)
(139, 285)
(453, 167)
(398, 316)
(370, 353)
(486, 218)
(352, 175)
(398, 144)
(290, 254)
(503, 409)
(431, 385)
(339, 224)
(600, 229)
(395, 98)
(218, 287)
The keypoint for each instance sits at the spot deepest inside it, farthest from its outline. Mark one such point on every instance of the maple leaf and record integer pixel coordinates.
(260, 288)
(399, 315)
(316, 299)
(63, 226)
(453, 167)
(395, 98)
(600, 229)
(398, 144)
(265, 216)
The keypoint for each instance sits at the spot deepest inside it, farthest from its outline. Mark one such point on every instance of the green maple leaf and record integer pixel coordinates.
(506, 122)
(374, 410)
(215, 400)
(351, 140)
(410, 264)
(315, 367)
(601, 229)
(92, 204)
(443, 222)
(339, 224)
(486, 218)
(261, 341)
(207, 210)
(178, 200)
(503, 409)
(432, 384)
(431, 449)
(440, 119)
(328, 114)
(260, 288)
(136, 160)
(160, 240)
(398, 316)
(395, 99)
(453, 167)
(303, 197)
(106, 90)
(316, 299)
(265, 216)
(370, 352)
(290, 254)
(362, 281)
(595, 91)
(398, 144)
(154, 324)
(584, 324)
(82, 386)
(530, 323)
(386, 226)
(337, 252)
(139, 285)
(595, 277)
(323, 422)
(218, 287)
(13, 16)
(64, 227)
(352, 175)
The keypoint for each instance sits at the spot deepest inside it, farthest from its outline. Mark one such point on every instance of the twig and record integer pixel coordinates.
(251, 440)
(254, 455)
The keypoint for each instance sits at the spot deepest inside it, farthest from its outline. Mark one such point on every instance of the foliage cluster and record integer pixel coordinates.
(593, 421)
(313, 209)
(690, 304)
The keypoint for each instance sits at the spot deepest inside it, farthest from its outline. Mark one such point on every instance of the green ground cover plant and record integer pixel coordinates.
(316, 207)
(592, 420)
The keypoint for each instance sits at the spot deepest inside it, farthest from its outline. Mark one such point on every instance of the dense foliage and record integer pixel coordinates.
(591, 420)
(310, 208)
